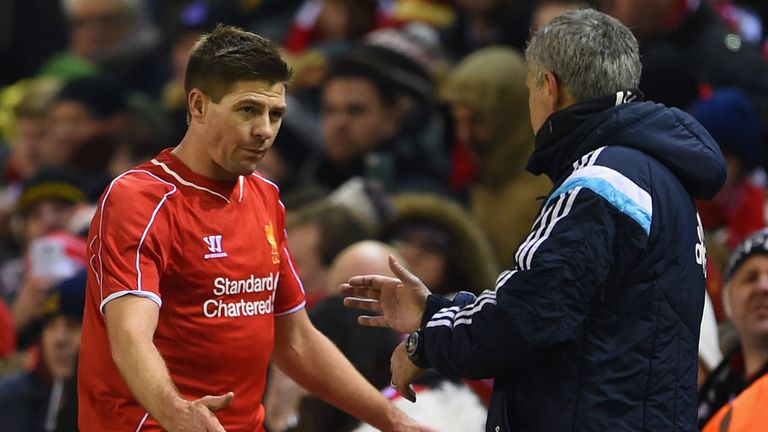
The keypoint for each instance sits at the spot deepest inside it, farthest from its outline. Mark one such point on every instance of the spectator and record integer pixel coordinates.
(318, 232)
(367, 349)
(488, 101)
(32, 400)
(746, 413)
(23, 160)
(441, 243)
(116, 37)
(483, 23)
(704, 46)
(738, 209)
(368, 99)
(745, 295)
(84, 109)
(546, 10)
(330, 22)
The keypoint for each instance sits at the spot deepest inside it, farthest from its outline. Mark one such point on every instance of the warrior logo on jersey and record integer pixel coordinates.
(214, 245)
(269, 230)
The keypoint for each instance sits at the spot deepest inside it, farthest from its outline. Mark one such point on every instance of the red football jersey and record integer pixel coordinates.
(213, 256)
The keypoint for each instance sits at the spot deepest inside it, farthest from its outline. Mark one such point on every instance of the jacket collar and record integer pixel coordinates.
(563, 137)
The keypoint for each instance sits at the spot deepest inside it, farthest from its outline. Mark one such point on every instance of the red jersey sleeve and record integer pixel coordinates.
(290, 291)
(129, 236)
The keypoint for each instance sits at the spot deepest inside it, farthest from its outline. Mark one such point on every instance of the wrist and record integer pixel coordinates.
(169, 412)
(414, 348)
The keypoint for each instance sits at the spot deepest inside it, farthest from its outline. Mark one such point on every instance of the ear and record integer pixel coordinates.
(197, 104)
(554, 92)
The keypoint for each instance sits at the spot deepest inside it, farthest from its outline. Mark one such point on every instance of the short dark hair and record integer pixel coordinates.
(229, 54)
(351, 66)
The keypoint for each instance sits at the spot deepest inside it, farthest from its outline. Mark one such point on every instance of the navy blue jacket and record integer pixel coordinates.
(596, 327)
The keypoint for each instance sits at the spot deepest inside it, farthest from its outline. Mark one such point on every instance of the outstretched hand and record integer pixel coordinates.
(400, 301)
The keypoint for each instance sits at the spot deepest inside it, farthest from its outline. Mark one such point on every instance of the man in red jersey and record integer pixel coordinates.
(191, 289)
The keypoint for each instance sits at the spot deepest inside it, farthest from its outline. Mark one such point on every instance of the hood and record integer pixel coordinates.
(471, 255)
(491, 82)
(669, 135)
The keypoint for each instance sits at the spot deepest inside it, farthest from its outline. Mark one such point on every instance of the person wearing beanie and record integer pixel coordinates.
(33, 400)
(47, 202)
(738, 209)
(745, 297)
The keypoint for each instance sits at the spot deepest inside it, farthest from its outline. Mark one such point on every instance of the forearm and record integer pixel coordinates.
(147, 376)
(331, 377)
(131, 323)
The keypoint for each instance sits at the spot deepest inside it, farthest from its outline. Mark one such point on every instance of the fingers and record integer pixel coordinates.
(372, 281)
(372, 321)
(357, 291)
(408, 393)
(363, 303)
(401, 272)
(215, 403)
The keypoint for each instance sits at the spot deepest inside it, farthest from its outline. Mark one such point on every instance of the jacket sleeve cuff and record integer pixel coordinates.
(434, 304)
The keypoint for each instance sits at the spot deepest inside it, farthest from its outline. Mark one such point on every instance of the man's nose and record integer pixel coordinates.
(262, 127)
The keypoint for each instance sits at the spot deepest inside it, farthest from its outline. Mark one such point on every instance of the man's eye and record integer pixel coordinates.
(247, 110)
(276, 115)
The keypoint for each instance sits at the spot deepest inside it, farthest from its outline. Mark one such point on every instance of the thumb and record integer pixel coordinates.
(401, 272)
(215, 403)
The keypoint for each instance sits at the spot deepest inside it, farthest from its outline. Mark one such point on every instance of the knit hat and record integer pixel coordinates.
(67, 298)
(102, 97)
(733, 122)
(50, 184)
(757, 243)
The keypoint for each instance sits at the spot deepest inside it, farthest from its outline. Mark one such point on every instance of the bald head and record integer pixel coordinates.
(365, 257)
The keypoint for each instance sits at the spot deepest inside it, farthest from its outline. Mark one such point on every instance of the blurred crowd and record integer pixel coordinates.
(407, 134)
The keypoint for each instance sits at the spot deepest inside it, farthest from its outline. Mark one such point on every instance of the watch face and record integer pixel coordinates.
(412, 343)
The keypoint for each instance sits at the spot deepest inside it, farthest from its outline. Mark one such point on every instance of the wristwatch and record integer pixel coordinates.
(414, 347)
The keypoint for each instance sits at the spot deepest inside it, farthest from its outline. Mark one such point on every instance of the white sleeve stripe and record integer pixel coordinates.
(475, 307)
(292, 310)
(451, 311)
(100, 274)
(551, 227)
(534, 235)
(505, 278)
(501, 276)
(440, 322)
(144, 235)
(595, 154)
(141, 423)
(446, 312)
(293, 270)
(143, 294)
(465, 316)
(553, 210)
